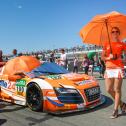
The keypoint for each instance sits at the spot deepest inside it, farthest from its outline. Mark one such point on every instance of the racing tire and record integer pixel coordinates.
(34, 97)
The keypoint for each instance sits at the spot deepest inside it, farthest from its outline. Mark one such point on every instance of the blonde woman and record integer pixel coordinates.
(114, 70)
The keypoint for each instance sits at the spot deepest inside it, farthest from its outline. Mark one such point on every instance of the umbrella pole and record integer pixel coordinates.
(108, 36)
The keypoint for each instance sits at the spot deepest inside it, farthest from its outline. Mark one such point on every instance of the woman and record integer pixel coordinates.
(85, 64)
(114, 69)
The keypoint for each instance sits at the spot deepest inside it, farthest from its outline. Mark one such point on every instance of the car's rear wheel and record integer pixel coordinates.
(34, 97)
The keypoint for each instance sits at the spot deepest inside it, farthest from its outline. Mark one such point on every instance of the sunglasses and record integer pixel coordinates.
(115, 32)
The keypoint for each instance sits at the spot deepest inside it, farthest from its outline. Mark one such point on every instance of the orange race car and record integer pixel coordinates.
(47, 86)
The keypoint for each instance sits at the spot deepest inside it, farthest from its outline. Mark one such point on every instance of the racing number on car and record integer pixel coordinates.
(20, 89)
(11, 85)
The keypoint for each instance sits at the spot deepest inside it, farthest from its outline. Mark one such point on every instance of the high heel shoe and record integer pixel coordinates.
(123, 107)
(114, 114)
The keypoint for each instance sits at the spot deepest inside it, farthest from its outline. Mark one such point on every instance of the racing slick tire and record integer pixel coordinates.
(34, 97)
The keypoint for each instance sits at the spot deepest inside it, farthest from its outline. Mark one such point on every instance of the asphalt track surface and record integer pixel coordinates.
(14, 115)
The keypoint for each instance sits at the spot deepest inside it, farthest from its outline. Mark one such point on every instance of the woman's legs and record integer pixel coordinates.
(109, 84)
(112, 86)
(117, 89)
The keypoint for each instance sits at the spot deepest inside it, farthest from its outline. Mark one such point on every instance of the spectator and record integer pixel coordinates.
(20, 54)
(92, 65)
(102, 67)
(75, 67)
(52, 58)
(63, 59)
(14, 52)
(2, 63)
(85, 64)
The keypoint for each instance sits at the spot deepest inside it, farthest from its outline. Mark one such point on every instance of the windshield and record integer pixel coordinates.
(47, 68)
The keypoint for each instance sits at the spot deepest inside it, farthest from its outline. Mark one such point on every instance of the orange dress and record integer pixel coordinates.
(114, 67)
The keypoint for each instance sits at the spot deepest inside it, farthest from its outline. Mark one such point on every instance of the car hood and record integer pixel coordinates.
(76, 77)
(69, 76)
(70, 79)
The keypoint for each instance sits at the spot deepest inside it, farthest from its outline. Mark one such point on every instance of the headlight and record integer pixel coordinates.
(68, 95)
(66, 90)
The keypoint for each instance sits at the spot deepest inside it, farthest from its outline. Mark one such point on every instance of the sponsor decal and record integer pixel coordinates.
(54, 76)
(7, 84)
(20, 86)
(21, 83)
(3, 83)
(84, 82)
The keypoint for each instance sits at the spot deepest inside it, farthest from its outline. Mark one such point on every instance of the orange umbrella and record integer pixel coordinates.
(97, 31)
(22, 63)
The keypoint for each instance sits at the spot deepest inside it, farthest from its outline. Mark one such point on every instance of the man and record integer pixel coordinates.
(2, 63)
(14, 53)
(1, 59)
(63, 59)
(52, 57)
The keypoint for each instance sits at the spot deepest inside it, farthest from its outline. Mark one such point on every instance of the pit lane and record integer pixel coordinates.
(14, 115)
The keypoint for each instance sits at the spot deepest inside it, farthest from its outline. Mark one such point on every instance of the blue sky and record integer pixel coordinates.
(33, 25)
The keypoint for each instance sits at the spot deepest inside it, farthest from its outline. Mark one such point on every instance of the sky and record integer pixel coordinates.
(34, 25)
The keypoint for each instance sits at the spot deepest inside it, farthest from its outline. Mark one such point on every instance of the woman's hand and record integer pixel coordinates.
(111, 56)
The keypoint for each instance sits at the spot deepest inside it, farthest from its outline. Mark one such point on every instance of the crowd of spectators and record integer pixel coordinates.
(45, 54)
(52, 55)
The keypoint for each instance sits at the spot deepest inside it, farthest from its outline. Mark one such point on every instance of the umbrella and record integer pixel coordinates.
(97, 31)
(22, 63)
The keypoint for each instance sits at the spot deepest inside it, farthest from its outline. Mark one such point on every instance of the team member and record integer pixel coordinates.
(114, 69)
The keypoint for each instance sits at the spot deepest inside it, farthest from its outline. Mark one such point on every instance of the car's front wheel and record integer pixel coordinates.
(34, 97)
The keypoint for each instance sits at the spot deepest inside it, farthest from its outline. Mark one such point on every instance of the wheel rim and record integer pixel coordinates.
(34, 97)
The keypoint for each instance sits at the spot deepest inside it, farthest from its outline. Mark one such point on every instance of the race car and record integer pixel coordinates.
(47, 86)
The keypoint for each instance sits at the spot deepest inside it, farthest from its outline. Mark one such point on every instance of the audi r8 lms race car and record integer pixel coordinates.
(47, 86)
